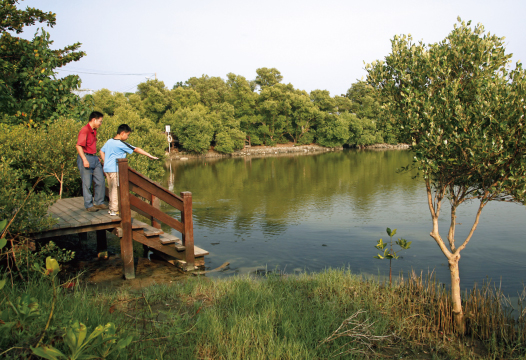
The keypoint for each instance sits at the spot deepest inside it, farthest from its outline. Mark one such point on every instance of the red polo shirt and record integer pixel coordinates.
(88, 139)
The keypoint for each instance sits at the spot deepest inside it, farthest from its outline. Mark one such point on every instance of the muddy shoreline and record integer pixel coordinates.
(280, 149)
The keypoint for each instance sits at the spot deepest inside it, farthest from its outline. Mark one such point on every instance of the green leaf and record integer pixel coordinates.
(48, 352)
(3, 224)
(3, 243)
(124, 342)
(52, 266)
(388, 231)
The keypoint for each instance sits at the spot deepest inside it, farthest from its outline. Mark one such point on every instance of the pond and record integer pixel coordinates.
(311, 212)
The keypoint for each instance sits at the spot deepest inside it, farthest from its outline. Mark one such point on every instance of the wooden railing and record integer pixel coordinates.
(131, 180)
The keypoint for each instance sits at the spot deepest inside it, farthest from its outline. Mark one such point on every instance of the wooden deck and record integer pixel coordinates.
(73, 218)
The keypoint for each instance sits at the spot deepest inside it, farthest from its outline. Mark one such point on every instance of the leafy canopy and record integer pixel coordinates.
(30, 92)
(462, 109)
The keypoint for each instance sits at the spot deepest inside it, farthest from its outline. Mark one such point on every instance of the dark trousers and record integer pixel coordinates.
(90, 175)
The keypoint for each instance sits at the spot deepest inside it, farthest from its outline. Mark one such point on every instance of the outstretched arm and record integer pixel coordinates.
(142, 152)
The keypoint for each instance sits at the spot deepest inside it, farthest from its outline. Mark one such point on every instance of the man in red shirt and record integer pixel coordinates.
(89, 164)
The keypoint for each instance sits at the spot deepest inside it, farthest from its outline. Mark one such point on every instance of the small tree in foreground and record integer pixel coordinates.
(389, 252)
(462, 110)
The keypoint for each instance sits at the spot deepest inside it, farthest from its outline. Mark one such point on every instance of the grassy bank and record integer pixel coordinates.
(312, 316)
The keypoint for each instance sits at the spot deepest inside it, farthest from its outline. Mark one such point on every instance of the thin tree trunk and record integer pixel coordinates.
(458, 315)
(61, 185)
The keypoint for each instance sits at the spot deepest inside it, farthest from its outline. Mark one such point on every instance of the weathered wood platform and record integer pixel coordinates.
(73, 218)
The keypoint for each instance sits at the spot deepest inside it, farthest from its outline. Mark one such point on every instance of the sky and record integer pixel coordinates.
(314, 44)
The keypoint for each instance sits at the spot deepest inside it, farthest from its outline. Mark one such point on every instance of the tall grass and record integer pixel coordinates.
(332, 314)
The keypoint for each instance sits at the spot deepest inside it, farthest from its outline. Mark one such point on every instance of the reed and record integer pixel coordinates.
(331, 314)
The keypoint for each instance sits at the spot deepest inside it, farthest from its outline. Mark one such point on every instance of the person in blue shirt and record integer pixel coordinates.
(112, 150)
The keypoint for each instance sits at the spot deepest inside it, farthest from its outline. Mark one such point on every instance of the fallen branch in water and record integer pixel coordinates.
(209, 271)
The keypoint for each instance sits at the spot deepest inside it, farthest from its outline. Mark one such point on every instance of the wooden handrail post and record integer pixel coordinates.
(126, 225)
(188, 235)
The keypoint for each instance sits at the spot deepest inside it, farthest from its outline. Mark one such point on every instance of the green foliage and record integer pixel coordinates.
(30, 93)
(107, 102)
(13, 19)
(18, 319)
(181, 98)
(193, 127)
(212, 90)
(99, 344)
(45, 152)
(333, 130)
(229, 140)
(389, 252)
(462, 109)
(17, 198)
(371, 125)
(268, 77)
(145, 135)
(209, 111)
(21, 313)
(363, 131)
(25, 256)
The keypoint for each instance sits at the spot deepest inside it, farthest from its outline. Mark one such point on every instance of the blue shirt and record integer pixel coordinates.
(113, 150)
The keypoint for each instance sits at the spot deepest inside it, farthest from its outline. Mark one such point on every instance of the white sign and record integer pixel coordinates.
(167, 128)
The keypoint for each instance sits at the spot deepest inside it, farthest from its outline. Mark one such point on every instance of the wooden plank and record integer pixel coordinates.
(155, 243)
(136, 224)
(80, 214)
(73, 230)
(165, 195)
(166, 249)
(147, 229)
(188, 233)
(169, 239)
(140, 212)
(158, 214)
(141, 192)
(125, 212)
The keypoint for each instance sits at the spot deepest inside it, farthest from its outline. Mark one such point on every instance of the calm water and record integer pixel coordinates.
(311, 212)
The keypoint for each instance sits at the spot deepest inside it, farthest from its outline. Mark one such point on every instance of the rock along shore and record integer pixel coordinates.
(278, 150)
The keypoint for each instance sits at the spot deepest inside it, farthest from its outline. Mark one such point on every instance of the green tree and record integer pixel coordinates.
(212, 90)
(145, 135)
(30, 92)
(181, 98)
(106, 102)
(366, 104)
(194, 127)
(155, 99)
(304, 115)
(333, 130)
(462, 110)
(267, 77)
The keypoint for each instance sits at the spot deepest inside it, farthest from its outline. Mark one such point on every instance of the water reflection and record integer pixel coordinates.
(278, 212)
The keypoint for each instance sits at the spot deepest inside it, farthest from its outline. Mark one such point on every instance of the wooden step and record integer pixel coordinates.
(155, 243)
(147, 229)
(169, 239)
